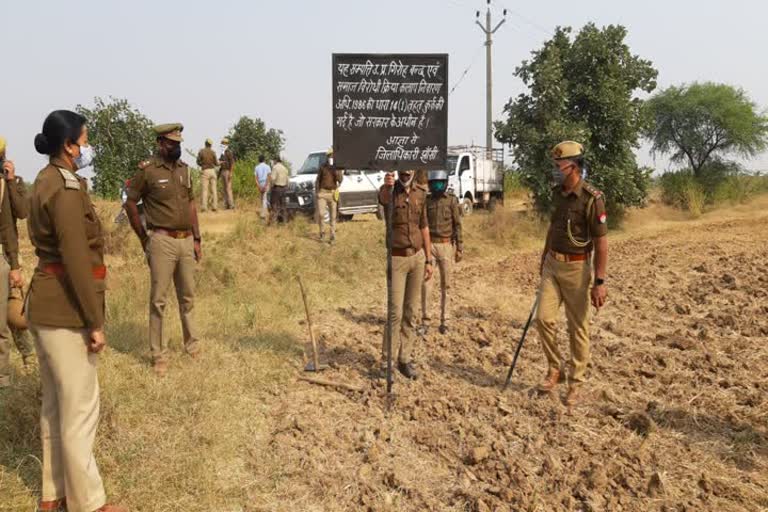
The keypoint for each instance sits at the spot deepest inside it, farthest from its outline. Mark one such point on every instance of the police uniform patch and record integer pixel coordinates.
(70, 180)
(602, 218)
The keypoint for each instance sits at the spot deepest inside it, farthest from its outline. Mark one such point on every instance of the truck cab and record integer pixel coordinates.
(476, 176)
(358, 193)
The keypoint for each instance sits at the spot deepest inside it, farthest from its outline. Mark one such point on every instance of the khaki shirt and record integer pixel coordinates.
(279, 175)
(64, 228)
(328, 178)
(8, 234)
(206, 159)
(227, 160)
(584, 210)
(409, 216)
(444, 217)
(166, 189)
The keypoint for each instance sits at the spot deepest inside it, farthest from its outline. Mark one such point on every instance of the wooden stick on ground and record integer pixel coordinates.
(331, 384)
(315, 357)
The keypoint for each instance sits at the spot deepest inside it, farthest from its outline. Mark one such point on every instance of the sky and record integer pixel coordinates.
(205, 64)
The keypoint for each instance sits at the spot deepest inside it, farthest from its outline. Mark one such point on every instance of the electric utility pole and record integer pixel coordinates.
(488, 72)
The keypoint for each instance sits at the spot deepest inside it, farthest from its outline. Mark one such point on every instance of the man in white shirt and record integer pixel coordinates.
(261, 172)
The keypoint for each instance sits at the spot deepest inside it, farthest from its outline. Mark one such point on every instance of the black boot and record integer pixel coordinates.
(408, 370)
(443, 329)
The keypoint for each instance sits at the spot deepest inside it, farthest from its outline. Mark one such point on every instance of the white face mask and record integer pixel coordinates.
(87, 154)
(406, 182)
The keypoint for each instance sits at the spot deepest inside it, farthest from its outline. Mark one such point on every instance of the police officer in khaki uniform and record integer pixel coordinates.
(10, 276)
(65, 311)
(576, 237)
(17, 193)
(327, 195)
(206, 160)
(411, 262)
(278, 181)
(173, 243)
(444, 216)
(227, 171)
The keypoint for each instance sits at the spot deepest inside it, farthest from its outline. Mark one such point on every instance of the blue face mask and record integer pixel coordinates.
(437, 186)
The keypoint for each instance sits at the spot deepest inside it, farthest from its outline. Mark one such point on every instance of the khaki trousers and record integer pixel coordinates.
(171, 260)
(443, 254)
(209, 182)
(265, 202)
(229, 198)
(5, 342)
(565, 283)
(325, 201)
(407, 278)
(69, 417)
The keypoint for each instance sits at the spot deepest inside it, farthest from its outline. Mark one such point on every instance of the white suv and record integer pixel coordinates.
(358, 194)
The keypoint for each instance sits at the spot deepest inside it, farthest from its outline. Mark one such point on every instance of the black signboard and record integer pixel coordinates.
(390, 112)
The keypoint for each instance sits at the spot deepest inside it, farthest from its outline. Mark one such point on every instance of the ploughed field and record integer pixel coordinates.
(674, 418)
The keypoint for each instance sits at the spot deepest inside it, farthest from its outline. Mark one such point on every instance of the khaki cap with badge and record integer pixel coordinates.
(170, 131)
(225, 141)
(567, 149)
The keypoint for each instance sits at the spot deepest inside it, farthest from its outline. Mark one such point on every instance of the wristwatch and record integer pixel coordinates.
(599, 281)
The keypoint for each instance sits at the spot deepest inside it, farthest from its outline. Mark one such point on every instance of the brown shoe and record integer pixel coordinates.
(59, 505)
(573, 397)
(111, 508)
(160, 368)
(550, 382)
(196, 354)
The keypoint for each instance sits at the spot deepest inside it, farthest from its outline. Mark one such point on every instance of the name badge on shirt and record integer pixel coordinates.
(163, 181)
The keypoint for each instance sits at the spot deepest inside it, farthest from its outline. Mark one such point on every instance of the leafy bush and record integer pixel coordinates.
(243, 184)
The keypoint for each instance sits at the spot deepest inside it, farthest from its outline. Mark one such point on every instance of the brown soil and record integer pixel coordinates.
(674, 416)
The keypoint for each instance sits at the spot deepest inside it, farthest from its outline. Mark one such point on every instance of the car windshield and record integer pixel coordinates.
(450, 164)
(312, 163)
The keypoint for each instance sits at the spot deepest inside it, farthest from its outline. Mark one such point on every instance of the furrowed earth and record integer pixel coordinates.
(673, 419)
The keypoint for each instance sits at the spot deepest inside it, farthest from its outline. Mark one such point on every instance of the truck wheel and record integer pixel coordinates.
(466, 206)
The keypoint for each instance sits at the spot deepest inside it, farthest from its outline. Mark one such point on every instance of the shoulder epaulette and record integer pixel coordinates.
(592, 190)
(70, 180)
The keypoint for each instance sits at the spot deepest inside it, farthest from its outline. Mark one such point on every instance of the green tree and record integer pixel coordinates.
(582, 88)
(702, 122)
(122, 137)
(250, 138)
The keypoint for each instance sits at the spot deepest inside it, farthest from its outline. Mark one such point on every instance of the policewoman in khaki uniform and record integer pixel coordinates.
(65, 311)
(444, 216)
(10, 276)
(411, 262)
(206, 160)
(327, 195)
(576, 237)
(173, 243)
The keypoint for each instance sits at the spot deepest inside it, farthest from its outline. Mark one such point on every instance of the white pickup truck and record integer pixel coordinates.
(358, 194)
(476, 176)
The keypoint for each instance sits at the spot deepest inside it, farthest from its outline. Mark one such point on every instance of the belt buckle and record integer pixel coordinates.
(560, 257)
(179, 235)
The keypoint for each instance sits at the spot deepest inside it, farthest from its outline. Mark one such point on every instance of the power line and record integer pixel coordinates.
(464, 74)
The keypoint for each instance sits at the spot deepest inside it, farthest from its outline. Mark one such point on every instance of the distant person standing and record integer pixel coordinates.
(227, 174)
(327, 195)
(278, 181)
(206, 160)
(173, 243)
(65, 309)
(577, 230)
(10, 276)
(444, 216)
(261, 174)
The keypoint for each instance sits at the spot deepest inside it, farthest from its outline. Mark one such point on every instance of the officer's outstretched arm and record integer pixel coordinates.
(601, 256)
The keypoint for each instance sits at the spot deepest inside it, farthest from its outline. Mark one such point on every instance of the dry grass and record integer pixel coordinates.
(202, 439)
